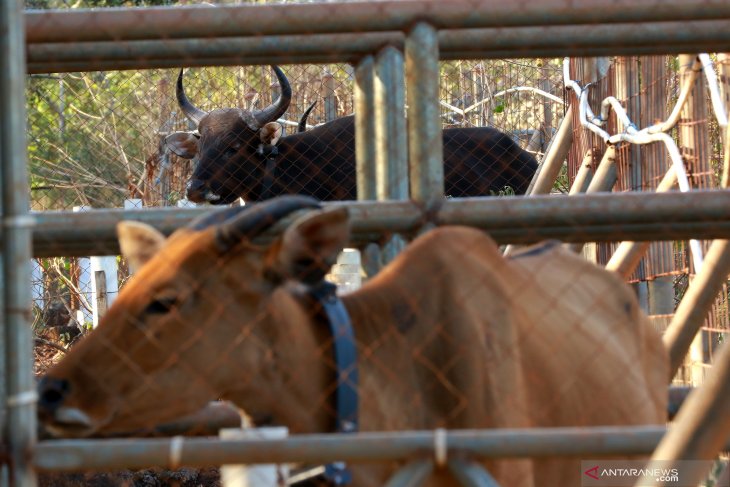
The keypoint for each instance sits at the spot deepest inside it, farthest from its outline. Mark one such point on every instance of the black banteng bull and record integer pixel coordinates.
(234, 147)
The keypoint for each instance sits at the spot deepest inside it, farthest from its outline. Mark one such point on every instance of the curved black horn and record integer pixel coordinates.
(279, 107)
(194, 113)
(303, 121)
(252, 222)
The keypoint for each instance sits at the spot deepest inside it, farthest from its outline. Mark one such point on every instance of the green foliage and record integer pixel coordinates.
(505, 191)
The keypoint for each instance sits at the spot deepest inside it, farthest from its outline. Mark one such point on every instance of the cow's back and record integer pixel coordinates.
(590, 355)
(542, 339)
(482, 161)
(478, 161)
(319, 162)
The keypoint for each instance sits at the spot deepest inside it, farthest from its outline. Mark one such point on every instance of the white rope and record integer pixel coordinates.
(20, 221)
(440, 448)
(176, 448)
(22, 399)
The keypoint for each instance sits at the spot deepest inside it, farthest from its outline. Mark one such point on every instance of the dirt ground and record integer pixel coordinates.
(184, 477)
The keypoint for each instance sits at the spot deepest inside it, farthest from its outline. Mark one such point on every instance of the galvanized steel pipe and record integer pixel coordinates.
(561, 40)
(391, 173)
(19, 430)
(425, 140)
(365, 148)
(602, 441)
(98, 64)
(391, 154)
(579, 218)
(244, 20)
(695, 35)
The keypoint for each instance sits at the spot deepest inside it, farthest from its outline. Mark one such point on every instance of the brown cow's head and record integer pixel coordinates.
(209, 314)
(228, 145)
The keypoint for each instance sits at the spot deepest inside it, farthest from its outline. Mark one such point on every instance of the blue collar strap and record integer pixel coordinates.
(345, 357)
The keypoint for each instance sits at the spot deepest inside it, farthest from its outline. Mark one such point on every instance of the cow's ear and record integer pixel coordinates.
(270, 133)
(183, 144)
(310, 246)
(138, 242)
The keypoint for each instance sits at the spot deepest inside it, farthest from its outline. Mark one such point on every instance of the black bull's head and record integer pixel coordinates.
(234, 148)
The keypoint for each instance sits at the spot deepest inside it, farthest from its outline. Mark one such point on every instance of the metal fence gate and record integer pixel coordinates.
(394, 50)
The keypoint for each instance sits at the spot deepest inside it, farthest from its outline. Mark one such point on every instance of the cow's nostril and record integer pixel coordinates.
(51, 393)
(51, 397)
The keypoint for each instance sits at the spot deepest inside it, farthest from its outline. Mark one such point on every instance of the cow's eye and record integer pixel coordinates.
(160, 306)
(232, 150)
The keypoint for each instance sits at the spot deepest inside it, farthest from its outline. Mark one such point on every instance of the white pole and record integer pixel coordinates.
(83, 315)
(38, 290)
(104, 284)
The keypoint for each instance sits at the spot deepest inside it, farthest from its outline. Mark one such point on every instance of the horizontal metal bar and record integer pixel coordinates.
(216, 47)
(94, 232)
(579, 218)
(245, 20)
(218, 415)
(362, 447)
(570, 40)
(325, 58)
(141, 63)
(606, 209)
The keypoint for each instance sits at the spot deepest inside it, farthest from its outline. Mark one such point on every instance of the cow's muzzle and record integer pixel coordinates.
(199, 192)
(51, 393)
(57, 418)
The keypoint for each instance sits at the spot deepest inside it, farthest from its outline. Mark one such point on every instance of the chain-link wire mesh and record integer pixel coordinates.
(650, 86)
(452, 336)
(98, 139)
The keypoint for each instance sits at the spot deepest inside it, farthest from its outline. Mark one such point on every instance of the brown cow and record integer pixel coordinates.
(451, 334)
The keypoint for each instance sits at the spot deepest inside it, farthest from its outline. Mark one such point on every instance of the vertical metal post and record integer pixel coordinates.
(365, 149)
(425, 140)
(390, 129)
(365, 128)
(20, 429)
(391, 172)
